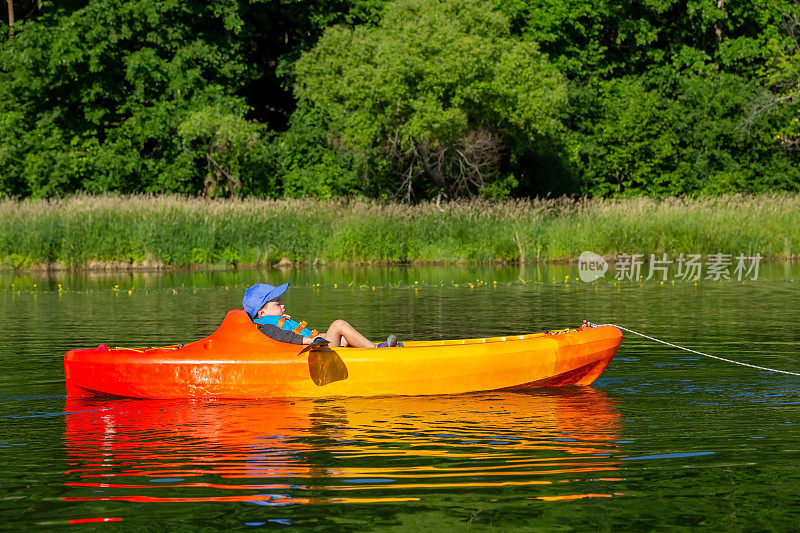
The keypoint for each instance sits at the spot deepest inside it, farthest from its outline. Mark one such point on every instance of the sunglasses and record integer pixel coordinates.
(275, 300)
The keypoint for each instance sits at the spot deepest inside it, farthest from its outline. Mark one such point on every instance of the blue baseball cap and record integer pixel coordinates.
(256, 296)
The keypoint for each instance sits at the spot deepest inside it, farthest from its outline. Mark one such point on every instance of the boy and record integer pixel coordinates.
(263, 305)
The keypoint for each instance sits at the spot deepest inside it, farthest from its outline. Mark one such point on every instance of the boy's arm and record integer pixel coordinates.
(281, 335)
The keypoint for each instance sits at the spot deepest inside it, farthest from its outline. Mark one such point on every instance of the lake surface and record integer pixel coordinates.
(664, 439)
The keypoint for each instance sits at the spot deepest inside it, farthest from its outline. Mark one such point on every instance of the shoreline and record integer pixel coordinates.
(115, 267)
(167, 233)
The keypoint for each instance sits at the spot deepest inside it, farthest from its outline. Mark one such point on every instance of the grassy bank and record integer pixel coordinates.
(143, 231)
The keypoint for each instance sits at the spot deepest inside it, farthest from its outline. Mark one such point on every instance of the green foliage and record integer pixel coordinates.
(98, 92)
(117, 95)
(410, 98)
(604, 38)
(630, 142)
(660, 94)
(781, 74)
(228, 142)
(308, 164)
(431, 80)
(678, 135)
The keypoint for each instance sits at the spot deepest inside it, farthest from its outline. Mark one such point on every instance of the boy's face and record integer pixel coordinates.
(271, 308)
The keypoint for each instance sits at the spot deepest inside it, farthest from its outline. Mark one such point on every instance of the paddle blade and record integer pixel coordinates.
(325, 366)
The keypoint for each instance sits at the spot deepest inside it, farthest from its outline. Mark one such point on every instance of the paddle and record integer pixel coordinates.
(324, 365)
(319, 343)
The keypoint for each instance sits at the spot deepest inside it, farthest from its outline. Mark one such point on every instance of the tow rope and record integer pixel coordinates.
(591, 325)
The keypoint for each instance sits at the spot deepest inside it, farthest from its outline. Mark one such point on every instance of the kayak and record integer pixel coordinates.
(237, 361)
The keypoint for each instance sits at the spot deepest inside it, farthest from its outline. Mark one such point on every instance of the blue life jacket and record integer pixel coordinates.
(283, 322)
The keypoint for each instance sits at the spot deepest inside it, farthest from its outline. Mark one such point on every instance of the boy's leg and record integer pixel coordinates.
(340, 330)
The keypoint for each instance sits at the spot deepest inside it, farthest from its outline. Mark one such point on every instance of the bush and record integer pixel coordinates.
(431, 99)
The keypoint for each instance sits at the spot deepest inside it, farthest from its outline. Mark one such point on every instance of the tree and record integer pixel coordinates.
(781, 76)
(93, 92)
(674, 134)
(229, 143)
(10, 15)
(436, 94)
(658, 93)
(608, 39)
(101, 88)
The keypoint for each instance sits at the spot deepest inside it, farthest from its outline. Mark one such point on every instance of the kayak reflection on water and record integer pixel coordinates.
(278, 452)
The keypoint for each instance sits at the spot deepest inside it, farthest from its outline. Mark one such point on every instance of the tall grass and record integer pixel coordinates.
(141, 231)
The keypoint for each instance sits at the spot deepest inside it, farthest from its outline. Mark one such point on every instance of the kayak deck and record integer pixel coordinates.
(238, 361)
(461, 342)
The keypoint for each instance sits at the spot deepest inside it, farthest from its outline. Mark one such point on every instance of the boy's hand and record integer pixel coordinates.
(316, 340)
(316, 344)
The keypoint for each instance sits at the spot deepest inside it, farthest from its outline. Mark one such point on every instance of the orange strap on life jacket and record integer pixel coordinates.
(300, 327)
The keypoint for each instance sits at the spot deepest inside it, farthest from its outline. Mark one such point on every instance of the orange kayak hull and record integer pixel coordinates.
(237, 361)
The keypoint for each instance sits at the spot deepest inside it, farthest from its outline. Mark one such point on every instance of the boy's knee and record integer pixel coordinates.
(339, 323)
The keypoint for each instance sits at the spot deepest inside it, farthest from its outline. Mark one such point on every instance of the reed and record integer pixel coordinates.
(148, 231)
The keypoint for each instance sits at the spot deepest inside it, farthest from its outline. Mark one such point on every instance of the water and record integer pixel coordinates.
(663, 439)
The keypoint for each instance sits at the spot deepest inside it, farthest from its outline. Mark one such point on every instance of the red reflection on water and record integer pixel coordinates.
(572, 497)
(188, 449)
(89, 520)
